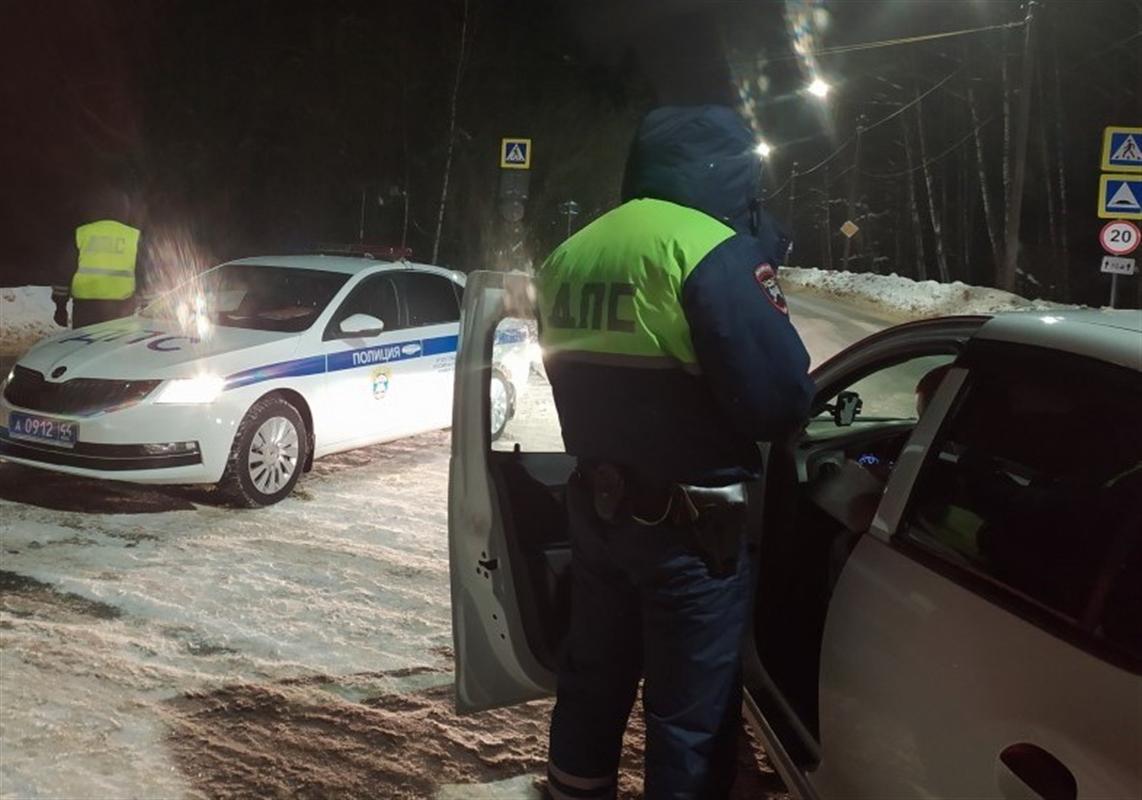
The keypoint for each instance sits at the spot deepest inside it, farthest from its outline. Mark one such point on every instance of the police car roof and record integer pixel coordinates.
(347, 265)
(1108, 335)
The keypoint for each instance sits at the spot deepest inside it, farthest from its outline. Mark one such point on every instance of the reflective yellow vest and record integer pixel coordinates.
(107, 251)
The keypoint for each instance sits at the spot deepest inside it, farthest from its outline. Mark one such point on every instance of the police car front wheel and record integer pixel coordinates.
(267, 456)
(501, 405)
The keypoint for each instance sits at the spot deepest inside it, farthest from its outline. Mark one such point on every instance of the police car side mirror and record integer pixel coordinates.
(361, 325)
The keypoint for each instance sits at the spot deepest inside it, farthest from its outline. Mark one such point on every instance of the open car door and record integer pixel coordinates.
(508, 548)
(508, 542)
(822, 496)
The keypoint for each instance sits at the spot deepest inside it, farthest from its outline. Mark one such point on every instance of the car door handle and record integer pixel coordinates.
(1026, 771)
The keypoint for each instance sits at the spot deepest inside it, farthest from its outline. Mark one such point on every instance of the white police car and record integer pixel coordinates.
(949, 603)
(248, 372)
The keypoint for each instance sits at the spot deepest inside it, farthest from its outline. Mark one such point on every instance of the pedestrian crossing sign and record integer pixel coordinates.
(1120, 197)
(515, 153)
(1122, 149)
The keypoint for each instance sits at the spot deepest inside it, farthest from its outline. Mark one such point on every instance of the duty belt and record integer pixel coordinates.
(618, 493)
(713, 520)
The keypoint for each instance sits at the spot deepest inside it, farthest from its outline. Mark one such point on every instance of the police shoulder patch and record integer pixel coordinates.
(766, 277)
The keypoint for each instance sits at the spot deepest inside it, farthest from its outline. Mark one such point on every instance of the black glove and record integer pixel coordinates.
(61, 314)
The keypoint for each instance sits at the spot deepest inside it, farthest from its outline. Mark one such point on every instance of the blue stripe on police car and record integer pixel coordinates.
(349, 359)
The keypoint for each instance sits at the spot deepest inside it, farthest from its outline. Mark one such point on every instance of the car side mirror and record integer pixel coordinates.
(361, 325)
(847, 408)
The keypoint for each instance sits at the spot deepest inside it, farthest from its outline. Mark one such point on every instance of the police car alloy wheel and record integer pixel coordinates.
(500, 404)
(268, 454)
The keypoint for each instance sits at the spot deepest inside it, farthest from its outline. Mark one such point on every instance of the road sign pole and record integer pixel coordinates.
(1114, 290)
(853, 190)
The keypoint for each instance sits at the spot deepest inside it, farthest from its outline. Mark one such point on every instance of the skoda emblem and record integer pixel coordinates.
(58, 371)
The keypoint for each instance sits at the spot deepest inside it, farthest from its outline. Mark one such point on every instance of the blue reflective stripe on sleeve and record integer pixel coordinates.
(349, 359)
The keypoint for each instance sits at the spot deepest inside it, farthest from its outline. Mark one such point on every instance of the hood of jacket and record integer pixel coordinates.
(702, 157)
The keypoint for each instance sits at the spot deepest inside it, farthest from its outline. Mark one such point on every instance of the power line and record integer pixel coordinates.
(861, 46)
(914, 101)
(781, 188)
(827, 158)
(865, 129)
(959, 143)
(1102, 52)
(850, 48)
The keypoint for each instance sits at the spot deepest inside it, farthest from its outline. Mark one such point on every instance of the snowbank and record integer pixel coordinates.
(908, 298)
(25, 317)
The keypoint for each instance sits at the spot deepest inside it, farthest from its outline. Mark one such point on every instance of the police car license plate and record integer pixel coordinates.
(56, 432)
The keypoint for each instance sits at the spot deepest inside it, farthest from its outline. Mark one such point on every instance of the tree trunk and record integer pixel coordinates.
(451, 145)
(1006, 88)
(1014, 205)
(984, 191)
(1060, 149)
(792, 204)
(933, 215)
(913, 205)
(966, 209)
(1049, 187)
(854, 183)
(828, 221)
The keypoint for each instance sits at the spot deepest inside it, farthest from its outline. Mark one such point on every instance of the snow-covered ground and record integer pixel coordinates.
(906, 298)
(155, 644)
(25, 317)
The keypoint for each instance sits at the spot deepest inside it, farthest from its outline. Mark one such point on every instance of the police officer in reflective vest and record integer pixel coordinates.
(103, 286)
(670, 353)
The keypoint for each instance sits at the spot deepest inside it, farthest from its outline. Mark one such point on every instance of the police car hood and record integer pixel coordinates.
(139, 348)
(702, 157)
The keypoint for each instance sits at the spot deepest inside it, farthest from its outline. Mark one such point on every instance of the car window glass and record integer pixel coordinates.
(891, 392)
(376, 296)
(429, 299)
(522, 407)
(1034, 484)
(252, 296)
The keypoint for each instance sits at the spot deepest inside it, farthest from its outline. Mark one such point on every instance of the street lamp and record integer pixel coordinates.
(818, 88)
(763, 149)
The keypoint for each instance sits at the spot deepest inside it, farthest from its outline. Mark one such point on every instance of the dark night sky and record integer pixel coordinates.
(253, 126)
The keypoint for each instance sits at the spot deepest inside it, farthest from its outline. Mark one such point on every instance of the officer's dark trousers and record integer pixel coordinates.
(89, 312)
(644, 605)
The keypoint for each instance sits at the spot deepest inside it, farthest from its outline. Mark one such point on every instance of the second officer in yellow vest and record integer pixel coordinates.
(103, 286)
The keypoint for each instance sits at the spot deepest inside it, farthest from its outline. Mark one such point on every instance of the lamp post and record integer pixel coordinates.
(571, 209)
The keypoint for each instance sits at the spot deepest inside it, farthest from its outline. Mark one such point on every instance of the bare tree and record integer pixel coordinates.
(937, 227)
(451, 142)
(984, 190)
(913, 205)
(1060, 149)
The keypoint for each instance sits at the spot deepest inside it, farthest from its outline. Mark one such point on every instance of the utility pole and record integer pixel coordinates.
(361, 229)
(1022, 132)
(792, 200)
(461, 56)
(571, 209)
(828, 218)
(853, 191)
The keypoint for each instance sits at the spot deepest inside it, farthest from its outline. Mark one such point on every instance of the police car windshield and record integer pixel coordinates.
(253, 296)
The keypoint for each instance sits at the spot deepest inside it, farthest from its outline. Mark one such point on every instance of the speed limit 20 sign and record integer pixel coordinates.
(1119, 238)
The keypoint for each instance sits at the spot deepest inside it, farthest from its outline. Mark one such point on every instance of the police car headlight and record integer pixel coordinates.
(200, 389)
